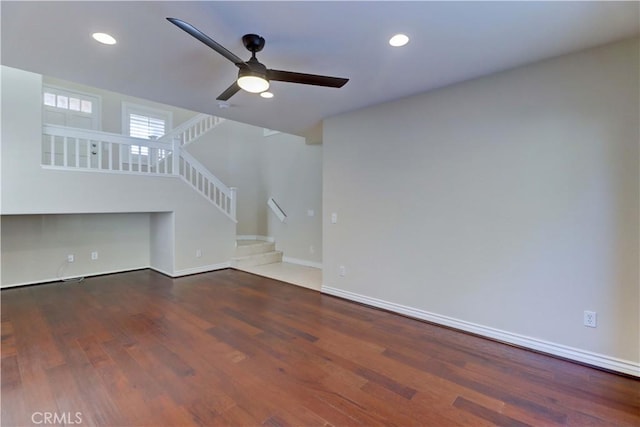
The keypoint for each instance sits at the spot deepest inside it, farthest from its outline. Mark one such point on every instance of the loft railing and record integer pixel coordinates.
(89, 150)
(192, 129)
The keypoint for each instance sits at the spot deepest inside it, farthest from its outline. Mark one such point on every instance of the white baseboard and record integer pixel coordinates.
(178, 273)
(255, 237)
(303, 262)
(61, 280)
(578, 355)
(161, 271)
(203, 269)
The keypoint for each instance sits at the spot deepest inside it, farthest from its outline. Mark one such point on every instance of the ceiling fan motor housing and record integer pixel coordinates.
(255, 66)
(253, 42)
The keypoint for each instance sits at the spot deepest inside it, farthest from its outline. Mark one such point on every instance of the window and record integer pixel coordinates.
(145, 127)
(70, 107)
(65, 102)
(145, 123)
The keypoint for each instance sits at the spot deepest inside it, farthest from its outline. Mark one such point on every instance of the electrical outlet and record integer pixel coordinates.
(590, 319)
(71, 258)
(334, 218)
(312, 250)
(342, 271)
(198, 253)
(94, 255)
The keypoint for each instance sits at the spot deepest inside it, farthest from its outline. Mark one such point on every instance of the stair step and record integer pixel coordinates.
(253, 247)
(256, 259)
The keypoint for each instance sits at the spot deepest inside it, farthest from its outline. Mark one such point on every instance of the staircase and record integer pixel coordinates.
(194, 173)
(250, 253)
(192, 129)
(67, 148)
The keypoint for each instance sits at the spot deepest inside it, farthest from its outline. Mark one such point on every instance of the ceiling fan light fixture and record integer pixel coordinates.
(252, 81)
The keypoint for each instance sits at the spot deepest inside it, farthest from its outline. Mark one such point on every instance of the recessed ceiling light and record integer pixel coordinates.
(398, 40)
(266, 95)
(103, 38)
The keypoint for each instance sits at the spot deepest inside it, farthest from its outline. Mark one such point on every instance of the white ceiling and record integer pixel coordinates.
(450, 42)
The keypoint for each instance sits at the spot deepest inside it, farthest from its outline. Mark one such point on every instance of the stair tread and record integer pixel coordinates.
(253, 247)
(239, 258)
(252, 242)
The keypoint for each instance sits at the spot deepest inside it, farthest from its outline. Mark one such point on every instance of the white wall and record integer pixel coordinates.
(509, 202)
(111, 105)
(35, 247)
(280, 166)
(245, 173)
(162, 241)
(232, 152)
(293, 171)
(29, 189)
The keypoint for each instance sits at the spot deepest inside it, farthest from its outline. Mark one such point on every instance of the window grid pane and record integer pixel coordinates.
(74, 104)
(144, 127)
(63, 102)
(50, 99)
(85, 106)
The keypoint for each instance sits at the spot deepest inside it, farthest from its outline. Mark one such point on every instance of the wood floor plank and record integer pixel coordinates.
(231, 348)
(236, 416)
(8, 342)
(97, 405)
(10, 373)
(69, 400)
(487, 414)
(386, 382)
(571, 395)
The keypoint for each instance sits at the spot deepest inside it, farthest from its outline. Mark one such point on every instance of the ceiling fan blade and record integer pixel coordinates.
(229, 92)
(193, 31)
(305, 79)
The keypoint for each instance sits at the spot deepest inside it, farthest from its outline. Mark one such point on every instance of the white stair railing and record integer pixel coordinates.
(86, 149)
(192, 129)
(205, 183)
(74, 148)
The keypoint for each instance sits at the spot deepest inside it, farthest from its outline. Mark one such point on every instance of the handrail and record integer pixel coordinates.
(205, 172)
(57, 130)
(91, 150)
(182, 127)
(192, 129)
(277, 210)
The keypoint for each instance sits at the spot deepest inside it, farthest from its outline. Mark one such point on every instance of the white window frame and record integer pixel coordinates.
(129, 108)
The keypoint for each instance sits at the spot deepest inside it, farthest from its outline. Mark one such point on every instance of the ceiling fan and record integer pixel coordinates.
(253, 76)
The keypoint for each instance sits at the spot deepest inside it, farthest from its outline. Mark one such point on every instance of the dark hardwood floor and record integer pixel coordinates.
(230, 348)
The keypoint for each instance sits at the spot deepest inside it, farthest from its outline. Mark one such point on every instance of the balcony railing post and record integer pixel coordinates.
(233, 198)
(175, 156)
